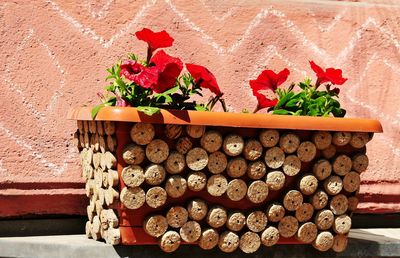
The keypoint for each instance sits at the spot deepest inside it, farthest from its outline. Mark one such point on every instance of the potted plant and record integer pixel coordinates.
(161, 168)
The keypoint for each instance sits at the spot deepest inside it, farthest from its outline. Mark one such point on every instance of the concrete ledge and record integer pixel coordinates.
(363, 243)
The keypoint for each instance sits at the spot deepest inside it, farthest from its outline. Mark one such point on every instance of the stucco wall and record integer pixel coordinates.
(54, 55)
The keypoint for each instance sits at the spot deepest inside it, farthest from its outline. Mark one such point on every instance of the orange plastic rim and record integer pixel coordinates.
(130, 114)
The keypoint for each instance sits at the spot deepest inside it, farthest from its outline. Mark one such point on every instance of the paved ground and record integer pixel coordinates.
(363, 243)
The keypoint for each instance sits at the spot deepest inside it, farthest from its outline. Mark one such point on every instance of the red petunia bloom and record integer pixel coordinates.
(329, 75)
(147, 77)
(169, 69)
(204, 78)
(265, 85)
(155, 40)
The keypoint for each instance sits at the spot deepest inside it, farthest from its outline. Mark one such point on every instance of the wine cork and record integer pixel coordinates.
(236, 190)
(275, 212)
(269, 138)
(252, 149)
(173, 131)
(79, 124)
(92, 127)
(175, 163)
(196, 181)
(170, 241)
(341, 138)
(113, 236)
(308, 184)
(275, 180)
(111, 196)
(360, 162)
(329, 152)
(96, 141)
(211, 141)
(175, 186)
(82, 140)
(324, 219)
(289, 143)
(322, 169)
(132, 175)
(157, 151)
(100, 128)
(98, 206)
(270, 236)
(111, 142)
(233, 145)
(324, 241)
(105, 179)
(89, 186)
(195, 131)
(228, 242)
(342, 224)
(183, 145)
(155, 225)
(291, 165)
(333, 185)
(292, 200)
(256, 221)
(111, 160)
(257, 192)
(90, 212)
(86, 140)
(101, 198)
(274, 157)
(89, 156)
(217, 162)
(342, 165)
(133, 198)
(197, 159)
(142, 133)
(306, 151)
(96, 160)
(256, 170)
(113, 177)
(88, 228)
(112, 219)
(197, 209)
(103, 161)
(217, 185)
(109, 127)
(177, 216)
(236, 221)
(304, 212)
(249, 242)
(288, 226)
(352, 203)
(359, 139)
(307, 232)
(98, 177)
(104, 219)
(96, 225)
(208, 239)
(339, 204)
(154, 174)
(351, 182)
(216, 216)
(339, 243)
(322, 139)
(133, 154)
(156, 197)
(319, 200)
(236, 167)
(190, 231)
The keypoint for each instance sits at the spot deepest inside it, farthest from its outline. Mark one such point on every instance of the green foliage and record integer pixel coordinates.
(308, 102)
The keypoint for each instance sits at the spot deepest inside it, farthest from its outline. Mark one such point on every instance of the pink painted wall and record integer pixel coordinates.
(54, 54)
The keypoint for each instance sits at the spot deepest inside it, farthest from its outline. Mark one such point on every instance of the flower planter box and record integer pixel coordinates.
(98, 144)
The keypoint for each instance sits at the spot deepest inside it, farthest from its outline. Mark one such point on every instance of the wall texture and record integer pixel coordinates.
(54, 54)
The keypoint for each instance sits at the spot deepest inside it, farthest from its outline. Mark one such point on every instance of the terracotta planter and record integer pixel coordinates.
(130, 221)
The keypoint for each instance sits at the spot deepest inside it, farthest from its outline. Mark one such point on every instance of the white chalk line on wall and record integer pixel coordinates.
(87, 31)
(101, 13)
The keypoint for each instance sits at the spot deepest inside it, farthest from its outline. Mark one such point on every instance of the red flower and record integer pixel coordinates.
(330, 75)
(146, 77)
(169, 69)
(204, 78)
(265, 85)
(155, 40)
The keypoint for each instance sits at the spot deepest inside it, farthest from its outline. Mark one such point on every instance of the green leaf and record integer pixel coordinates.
(281, 112)
(284, 99)
(200, 108)
(96, 109)
(148, 110)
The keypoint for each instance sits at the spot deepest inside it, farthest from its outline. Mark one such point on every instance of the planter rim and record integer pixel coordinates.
(183, 117)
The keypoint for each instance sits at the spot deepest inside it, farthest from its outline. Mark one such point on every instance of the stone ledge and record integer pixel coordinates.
(363, 243)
